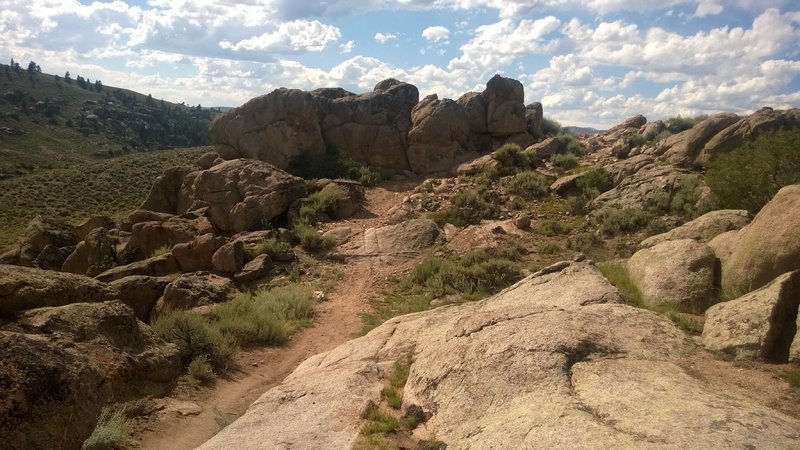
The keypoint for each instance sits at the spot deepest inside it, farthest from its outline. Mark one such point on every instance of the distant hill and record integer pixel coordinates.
(50, 122)
(582, 130)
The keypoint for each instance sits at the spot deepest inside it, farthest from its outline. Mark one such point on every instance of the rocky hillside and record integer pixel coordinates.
(49, 121)
(601, 284)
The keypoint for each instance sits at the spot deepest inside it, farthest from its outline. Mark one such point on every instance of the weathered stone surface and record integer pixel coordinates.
(163, 196)
(759, 325)
(438, 135)
(42, 232)
(209, 160)
(72, 361)
(505, 107)
(93, 255)
(349, 196)
(23, 288)
(732, 137)
(190, 291)
(559, 341)
(143, 215)
(276, 128)
(476, 166)
(683, 148)
(678, 273)
(403, 239)
(637, 189)
(370, 128)
(156, 266)
(769, 246)
(140, 293)
(92, 224)
(474, 105)
(256, 269)
(229, 258)
(704, 228)
(544, 149)
(52, 257)
(534, 119)
(241, 195)
(147, 237)
(197, 254)
(565, 184)
(622, 169)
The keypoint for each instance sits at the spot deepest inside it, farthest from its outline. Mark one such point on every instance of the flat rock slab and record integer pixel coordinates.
(554, 361)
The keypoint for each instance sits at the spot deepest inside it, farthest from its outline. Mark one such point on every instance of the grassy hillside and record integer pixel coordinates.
(111, 186)
(48, 122)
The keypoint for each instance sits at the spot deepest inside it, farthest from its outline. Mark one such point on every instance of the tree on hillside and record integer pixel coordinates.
(34, 68)
(98, 86)
(67, 78)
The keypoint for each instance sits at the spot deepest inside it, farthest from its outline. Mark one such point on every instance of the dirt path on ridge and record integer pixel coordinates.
(260, 369)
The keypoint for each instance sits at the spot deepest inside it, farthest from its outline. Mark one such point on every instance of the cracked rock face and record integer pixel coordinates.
(555, 361)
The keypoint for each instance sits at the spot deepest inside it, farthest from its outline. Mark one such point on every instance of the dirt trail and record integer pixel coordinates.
(260, 369)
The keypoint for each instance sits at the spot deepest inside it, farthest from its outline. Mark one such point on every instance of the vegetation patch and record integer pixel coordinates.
(333, 165)
(565, 161)
(310, 238)
(792, 376)
(626, 220)
(200, 371)
(685, 201)
(511, 155)
(273, 247)
(196, 337)
(472, 276)
(595, 181)
(468, 207)
(550, 126)
(529, 185)
(748, 177)
(112, 430)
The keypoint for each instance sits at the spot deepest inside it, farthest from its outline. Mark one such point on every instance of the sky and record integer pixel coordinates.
(589, 62)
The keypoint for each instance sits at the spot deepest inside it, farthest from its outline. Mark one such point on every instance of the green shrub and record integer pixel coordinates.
(595, 180)
(111, 432)
(309, 238)
(748, 177)
(565, 161)
(627, 220)
(583, 242)
(272, 247)
(633, 140)
(550, 126)
(552, 228)
(677, 124)
(529, 184)
(332, 165)
(400, 371)
(413, 417)
(201, 371)
(267, 316)
(511, 155)
(549, 248)
(315, 205)
(163, 250)
(195, 337)
(684, 201)
(792, 376)
(392, 397)
(468, 207)
(568, 143)
(379, 422)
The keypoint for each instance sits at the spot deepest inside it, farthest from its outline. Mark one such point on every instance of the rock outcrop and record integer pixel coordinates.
(560, 341)
(760, 325)
(67, 363)
(704, 228)
(683, 148)
(23, 288)
(438, 135)
(505, 107)
(276, 128)
(678, 273)
(769, 246)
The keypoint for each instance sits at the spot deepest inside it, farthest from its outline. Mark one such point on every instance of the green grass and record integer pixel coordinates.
(626, 220)
(472, 276)
(553, 227)
(272, 247)
(595, 180)
(618, 276)
(265, 317)
(792, 376)
(315, 205)
(200, 370)
(378, 422)
(468, 207)
(309, 238)
(109, 187)
(111, 432)
(392, 397)
(549, 248)
(550, 126)
(565, 161)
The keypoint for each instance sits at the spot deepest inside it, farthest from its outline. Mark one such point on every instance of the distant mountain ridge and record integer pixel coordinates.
(582, 130)
(50, 121)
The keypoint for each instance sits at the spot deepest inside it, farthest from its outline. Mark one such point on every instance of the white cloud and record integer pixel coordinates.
(708, 8)
(299, 35)
(382, 38)
(436, 34)
(347, 47)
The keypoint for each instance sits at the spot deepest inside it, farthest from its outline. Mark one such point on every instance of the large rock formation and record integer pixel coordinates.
(370, 128)
(759, 325)
(276, 128)
(704, 228)
(505, 107)
(552, 362)
(683, 148)
(677, 273)
(70, 361)
(748, 128)
(769, 246)
(438, 136)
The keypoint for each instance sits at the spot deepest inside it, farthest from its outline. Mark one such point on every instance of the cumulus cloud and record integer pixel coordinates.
(382, 38)
(708, 8)
(292, 36)
(436, 34)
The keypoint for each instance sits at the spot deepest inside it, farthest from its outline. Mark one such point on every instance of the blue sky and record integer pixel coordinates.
(591, 63)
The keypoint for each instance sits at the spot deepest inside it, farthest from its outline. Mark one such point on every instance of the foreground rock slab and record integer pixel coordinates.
(554, 361)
